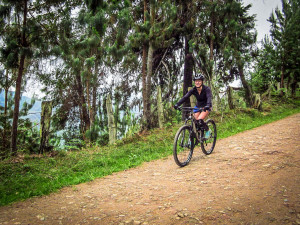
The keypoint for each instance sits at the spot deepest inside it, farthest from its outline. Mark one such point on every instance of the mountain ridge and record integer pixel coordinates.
(34, 113)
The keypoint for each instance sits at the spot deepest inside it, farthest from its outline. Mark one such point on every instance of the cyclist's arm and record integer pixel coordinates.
(209, 97)
(184, 98)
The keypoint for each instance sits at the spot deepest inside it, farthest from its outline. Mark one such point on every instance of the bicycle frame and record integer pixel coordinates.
(191, 118)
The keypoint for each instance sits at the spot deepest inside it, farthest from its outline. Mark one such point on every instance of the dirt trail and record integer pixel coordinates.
(251, 178)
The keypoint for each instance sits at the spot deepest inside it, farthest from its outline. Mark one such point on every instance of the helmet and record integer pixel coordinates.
(199, 77)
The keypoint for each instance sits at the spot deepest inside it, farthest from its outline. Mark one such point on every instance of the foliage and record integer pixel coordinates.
(285, 38)
(26, 176)
(28, 135)
(81, 51)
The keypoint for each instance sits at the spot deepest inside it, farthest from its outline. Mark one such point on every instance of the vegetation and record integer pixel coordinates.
(35, 175)
(111, 69)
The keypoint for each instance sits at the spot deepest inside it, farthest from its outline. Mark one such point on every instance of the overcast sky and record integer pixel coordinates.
(263, 10)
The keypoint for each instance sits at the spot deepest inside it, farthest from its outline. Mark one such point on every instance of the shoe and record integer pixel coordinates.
(207, 134)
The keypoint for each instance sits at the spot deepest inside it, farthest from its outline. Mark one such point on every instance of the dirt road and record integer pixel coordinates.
(251, 178)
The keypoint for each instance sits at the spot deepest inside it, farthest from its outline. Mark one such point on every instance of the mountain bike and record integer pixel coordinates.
(190, 135)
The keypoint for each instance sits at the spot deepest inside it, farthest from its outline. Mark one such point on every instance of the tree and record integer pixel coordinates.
(265, 72)
(20, 8)
(187, 22)
(25, 25)
(285, 32)
(152, 36)
(239, 38)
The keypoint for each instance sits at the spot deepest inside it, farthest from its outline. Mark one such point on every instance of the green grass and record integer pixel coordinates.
(28, 176)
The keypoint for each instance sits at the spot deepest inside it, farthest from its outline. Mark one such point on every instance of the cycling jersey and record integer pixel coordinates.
(204, 99)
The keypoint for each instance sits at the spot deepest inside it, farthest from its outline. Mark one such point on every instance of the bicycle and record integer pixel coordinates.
(190, 135)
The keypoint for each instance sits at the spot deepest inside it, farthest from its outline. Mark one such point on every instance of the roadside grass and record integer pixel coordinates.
(26, 176)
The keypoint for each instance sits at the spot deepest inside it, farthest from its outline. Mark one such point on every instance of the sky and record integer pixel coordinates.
(263, 10)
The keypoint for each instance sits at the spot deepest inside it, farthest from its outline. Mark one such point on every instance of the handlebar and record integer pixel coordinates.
(189, 109)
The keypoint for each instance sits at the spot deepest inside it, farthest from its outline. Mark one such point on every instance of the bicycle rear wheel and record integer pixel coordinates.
(183, 146)
(209, 138)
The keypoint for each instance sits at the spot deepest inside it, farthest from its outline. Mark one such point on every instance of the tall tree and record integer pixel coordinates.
(27, 25)
(285, 32)
(20, 34)
(265, 73)
(187, 22)
(240, 38)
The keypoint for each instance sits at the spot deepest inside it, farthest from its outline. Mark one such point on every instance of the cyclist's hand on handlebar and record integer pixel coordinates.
(206, 108)
(176, 106)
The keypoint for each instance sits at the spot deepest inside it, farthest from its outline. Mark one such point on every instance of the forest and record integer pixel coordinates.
(109, 69)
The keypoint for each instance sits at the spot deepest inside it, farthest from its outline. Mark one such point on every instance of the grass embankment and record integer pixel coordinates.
(27, 176)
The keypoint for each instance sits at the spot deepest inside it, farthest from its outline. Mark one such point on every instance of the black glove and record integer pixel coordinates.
(176, 106)
(206, 108)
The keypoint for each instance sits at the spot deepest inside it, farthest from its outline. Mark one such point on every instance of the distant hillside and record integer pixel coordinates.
(34, 112)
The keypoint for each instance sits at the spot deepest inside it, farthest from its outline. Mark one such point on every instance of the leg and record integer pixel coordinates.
(201, 118)
(196, 115)
(202, 115)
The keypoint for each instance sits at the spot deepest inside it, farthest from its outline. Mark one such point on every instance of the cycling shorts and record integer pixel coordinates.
(196, 109)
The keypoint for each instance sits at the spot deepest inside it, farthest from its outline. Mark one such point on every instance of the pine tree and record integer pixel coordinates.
(264, 77)
(26, 27)
(239, 38)
(157, 33)
(285, 26)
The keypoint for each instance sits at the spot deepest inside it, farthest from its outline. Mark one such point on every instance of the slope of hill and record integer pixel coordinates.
(34, 113)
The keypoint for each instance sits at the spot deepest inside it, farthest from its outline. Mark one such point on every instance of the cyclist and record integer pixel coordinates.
(204, 100)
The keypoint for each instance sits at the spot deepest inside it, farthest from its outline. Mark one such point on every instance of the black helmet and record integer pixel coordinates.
(199, 77)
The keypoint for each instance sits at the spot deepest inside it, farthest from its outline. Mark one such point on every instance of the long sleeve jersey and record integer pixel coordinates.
(204, 99)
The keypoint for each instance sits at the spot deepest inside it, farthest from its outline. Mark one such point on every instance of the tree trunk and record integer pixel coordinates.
(17, 106)
(144, 82)
(188, 57)
(294, 85)
(248, 91)
(148, 85)
(267, 94)
(6, 92)
(160, 108)
(82, 105)
(88, 100)
(93, 108)
(112, 129)
(187, 74)
(45, 125)
(211, 44)
(282, 80)
(147, 115)
(188, 70)
(144, 71)
(14, 132)
(230, 100)
(94, 94)
(286, 87)
(5, 110)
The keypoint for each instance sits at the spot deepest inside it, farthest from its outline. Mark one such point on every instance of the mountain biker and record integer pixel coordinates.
(204, 100)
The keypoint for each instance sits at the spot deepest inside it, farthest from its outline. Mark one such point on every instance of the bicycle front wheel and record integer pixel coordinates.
(183, 146)
(209, 138)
